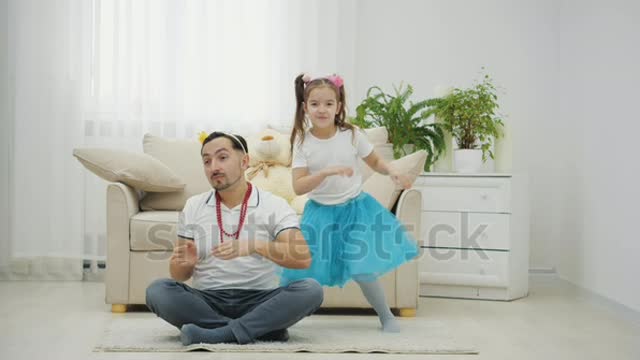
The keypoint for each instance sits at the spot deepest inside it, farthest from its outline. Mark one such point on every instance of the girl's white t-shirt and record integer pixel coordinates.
(343, 149)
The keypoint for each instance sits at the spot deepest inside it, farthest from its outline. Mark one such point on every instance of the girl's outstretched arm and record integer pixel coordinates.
(304, 182)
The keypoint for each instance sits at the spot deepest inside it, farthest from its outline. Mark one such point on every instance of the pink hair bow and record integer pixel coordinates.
(335, 79)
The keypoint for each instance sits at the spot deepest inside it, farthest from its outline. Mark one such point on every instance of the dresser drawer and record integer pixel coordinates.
(465, 194)
(475, 268)
(465, 230)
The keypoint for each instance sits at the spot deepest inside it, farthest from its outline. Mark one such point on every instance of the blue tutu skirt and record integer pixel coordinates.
(359, 238)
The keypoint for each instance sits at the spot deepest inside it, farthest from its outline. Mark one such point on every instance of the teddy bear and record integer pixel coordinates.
(270, 165)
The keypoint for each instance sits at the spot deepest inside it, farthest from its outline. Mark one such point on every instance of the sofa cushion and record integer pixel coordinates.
(383, 189)
(183, 157)
(153, 230)
(140, 171)
(378, 137)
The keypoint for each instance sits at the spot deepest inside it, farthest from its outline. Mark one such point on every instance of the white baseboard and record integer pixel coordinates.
(96, 275)
(42, 269)
(543, 270)
(621, 310)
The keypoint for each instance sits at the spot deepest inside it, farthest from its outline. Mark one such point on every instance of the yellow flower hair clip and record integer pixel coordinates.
(202, 136)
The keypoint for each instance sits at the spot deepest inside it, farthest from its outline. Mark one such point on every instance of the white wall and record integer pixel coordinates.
(5, 130)
(599, 95)
(569, 70)
(446, 43)
(431, 43)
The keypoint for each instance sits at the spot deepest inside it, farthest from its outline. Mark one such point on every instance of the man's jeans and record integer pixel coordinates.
(250, 313)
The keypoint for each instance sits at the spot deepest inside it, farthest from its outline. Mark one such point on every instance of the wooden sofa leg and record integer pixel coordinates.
(118, 308)
(407, 312)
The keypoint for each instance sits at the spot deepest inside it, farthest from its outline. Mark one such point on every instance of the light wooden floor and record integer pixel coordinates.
(63, 320)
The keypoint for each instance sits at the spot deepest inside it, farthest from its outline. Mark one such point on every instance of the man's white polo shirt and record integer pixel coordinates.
(267, 215)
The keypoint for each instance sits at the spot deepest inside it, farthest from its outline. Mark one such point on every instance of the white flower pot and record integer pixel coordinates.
(467, 161)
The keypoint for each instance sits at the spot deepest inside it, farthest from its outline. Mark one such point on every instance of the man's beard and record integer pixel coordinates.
(225, 186)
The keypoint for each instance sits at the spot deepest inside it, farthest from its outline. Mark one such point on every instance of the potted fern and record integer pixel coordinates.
(470, 116)
(404, 120)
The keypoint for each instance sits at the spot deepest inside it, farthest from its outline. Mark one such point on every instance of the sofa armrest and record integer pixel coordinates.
(122, 204)
(408, 210)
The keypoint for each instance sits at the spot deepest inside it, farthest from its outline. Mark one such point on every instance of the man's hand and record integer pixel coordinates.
(185, 256)
(233, 249)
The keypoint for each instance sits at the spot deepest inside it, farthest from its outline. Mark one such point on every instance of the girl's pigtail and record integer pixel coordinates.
(298, 123)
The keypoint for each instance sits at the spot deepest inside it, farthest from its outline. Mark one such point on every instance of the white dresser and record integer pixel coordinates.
(475, 236)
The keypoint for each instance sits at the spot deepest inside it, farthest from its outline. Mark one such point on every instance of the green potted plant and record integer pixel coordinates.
(404, 121)
(470, 116)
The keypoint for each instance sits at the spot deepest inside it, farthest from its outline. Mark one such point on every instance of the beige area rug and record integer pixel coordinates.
(318, 333)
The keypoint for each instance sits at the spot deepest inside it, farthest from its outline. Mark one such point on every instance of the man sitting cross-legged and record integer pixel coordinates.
(231, 241)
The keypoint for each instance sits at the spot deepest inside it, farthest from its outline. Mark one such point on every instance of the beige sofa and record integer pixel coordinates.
(139, 242)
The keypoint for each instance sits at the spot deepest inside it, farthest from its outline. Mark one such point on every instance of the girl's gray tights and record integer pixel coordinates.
(374, 293)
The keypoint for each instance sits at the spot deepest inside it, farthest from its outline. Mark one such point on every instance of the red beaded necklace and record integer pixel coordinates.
(243, 214)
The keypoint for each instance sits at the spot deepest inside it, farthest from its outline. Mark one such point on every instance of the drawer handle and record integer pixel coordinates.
(452, 279)
(484, 196)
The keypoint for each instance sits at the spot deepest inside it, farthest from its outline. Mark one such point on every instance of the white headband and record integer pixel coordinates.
(236, 139)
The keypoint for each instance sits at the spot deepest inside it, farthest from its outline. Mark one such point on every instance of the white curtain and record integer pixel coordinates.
(103, 73)
(45, 187)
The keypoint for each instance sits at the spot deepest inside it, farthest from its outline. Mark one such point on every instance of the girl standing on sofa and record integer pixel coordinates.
(350, 235)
